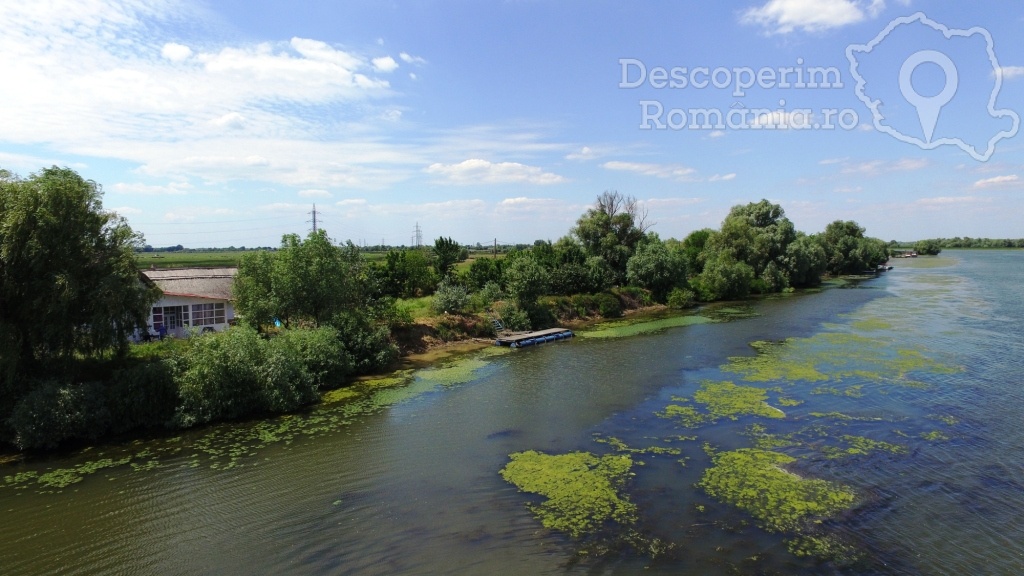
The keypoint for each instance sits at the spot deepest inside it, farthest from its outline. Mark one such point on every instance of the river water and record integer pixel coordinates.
(403, 475)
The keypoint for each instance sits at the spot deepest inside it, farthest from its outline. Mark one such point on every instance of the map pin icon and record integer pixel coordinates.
(928, 107)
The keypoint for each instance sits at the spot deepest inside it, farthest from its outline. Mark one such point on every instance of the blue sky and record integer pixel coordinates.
(222, 123)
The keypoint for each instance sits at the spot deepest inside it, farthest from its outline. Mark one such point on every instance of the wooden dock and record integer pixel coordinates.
(524, 339)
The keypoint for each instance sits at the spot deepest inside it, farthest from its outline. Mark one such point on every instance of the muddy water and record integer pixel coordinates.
(904, 392)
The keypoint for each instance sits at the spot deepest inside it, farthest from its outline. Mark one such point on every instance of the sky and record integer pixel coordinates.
(215, 124)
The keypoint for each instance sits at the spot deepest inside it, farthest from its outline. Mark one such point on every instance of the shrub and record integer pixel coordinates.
(682, 298)
(236, 373)
(53, 412)
(142, 396)
(450, 298)
(513, 317)
(635, 296)
(608, 305)
(323, 354)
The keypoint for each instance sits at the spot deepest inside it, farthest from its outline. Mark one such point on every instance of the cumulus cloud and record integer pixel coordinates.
(785, 16)
(477, 171)
(385, 64)
(671, 171)
(176, 52)
(722, 177)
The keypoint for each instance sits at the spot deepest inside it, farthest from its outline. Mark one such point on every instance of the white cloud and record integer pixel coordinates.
(176, 52)
(585, 153)
(722, 177)
(779, 120)
(1009, 72)
(828, 161)
(673, 171)
(875, 167)
(351, 202)
(785, 16)
(948, 200)
(716, 134)
(314, 193)
(231, 120)
(477, 171)
(410, 59)
(997, 181)
(385, 64)
(139, 189)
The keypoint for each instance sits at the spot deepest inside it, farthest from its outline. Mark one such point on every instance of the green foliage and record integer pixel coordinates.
(513, 317)
(723, 278)
(68, 280)
(450, 298)
(142, 396)
(608, 305)
(323, 354)
(848, 251)
(484, 271)
(525, 280)
(928, 247)
(654, 267)
(758, 235)
(693, 249)
(612, 230)
(405, 274)
(446, 254)
(235, 374)
(53, 412)
(682, 298)
(806, 261)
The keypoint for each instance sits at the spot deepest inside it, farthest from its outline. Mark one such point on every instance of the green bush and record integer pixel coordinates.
(53, 412)
(450, 298)
(608, 305)
(234, 374)
(142, 396)
(682, 298)
(323, 354)
(513, 317)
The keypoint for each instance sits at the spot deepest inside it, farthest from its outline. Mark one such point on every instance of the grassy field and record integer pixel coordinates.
(211, 259)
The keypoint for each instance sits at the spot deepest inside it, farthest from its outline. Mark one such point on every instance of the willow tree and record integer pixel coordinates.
(69, 286)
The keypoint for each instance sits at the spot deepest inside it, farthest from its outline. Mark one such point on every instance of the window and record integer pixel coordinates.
(207, 314)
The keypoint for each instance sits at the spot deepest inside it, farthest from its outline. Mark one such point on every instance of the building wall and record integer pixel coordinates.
(168, 301)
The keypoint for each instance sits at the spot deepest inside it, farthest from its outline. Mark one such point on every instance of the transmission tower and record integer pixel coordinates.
(314, 214)
(417, 236)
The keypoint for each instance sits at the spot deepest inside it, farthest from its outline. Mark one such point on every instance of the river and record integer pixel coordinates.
(903, 391)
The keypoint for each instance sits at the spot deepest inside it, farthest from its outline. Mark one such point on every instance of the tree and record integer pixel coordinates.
(724, 278)
(69, 284)
(848, 251)
(806, 261)
(758, 234)
(928, 247)
(526, 280)
(612, 229)
(656, 268)
(446, 254)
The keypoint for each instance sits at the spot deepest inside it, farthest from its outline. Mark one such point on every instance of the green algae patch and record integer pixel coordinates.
(945, 419)
(458, 372)
(824, 547)
(754, 481)
(832, 357)
(620, 446)
(634, 327)
(64, 477)
(934, 436)
(871, 325)
(720, 400)
(860, 446)
(727, 400)
(338, 395)
(582, 492)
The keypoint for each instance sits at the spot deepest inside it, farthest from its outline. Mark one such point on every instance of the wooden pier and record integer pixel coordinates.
(524, 339)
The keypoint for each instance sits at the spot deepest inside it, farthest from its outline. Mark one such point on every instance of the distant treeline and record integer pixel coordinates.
(968, 242)
(179, 248)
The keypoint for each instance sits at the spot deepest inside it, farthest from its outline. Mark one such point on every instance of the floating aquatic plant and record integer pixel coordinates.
(582, 491)
(633, 327)
(754, 481)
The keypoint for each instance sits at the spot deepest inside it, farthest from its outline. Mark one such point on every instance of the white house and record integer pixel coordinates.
(193, 298)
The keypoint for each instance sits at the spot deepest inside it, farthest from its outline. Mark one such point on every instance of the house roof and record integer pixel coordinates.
(212, 283)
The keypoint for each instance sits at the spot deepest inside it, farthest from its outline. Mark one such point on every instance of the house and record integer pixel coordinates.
(193, 298)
